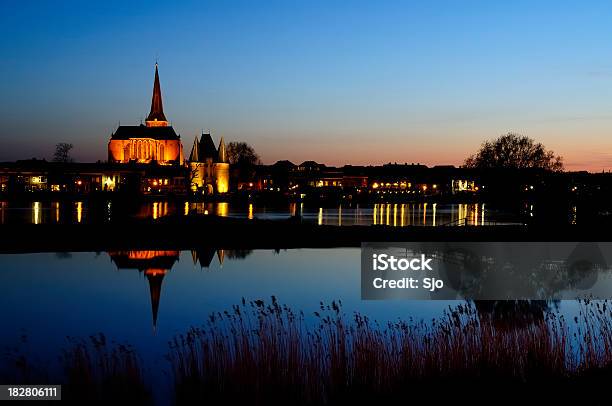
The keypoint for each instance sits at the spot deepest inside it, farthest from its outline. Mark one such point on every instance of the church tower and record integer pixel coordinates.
(154, 142)
(156, 117)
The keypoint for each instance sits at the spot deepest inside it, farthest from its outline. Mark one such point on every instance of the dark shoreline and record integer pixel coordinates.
(193, 232)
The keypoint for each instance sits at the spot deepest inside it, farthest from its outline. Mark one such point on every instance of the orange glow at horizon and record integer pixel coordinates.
(591, 151)
(591, 161)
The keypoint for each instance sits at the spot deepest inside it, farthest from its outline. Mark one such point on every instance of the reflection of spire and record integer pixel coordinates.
(155, 278)
(221, 256)
(194, 256)
(155, 264)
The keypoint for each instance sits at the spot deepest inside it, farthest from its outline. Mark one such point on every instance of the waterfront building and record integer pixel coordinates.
(154, 141)
(87, 178)
(209, 166)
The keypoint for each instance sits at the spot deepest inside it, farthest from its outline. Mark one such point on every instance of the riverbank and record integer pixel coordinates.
(193, 232)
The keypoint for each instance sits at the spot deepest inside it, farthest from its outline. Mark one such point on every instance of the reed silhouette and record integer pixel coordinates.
(92, 371)
(267, 354)
(99, 371)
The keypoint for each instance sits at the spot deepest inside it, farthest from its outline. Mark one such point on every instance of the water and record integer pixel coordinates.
(49, 296)
(53, 295)
(145, 298)
(391, 214)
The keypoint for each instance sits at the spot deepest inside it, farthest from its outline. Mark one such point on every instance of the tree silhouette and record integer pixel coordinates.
(514, 151)
(62, 152)
(243, 159)
(242, 154)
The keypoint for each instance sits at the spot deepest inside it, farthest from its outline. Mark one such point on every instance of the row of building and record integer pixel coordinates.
(207, 175)
(389, 178)
(149, 159)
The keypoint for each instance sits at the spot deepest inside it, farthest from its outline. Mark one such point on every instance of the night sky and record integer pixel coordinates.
(332, 81)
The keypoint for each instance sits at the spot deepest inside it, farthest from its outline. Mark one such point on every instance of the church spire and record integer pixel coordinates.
(156, 116)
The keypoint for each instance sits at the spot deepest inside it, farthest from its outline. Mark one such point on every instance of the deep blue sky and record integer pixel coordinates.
(333, 81)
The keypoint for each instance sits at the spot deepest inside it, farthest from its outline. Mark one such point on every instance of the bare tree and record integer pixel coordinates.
(62, 152)
(514, 151)
(195, 174)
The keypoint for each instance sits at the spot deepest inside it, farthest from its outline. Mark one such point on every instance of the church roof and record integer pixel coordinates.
(157, 108)
(125, 132)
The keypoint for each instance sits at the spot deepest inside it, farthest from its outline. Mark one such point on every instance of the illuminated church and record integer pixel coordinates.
(155, 141)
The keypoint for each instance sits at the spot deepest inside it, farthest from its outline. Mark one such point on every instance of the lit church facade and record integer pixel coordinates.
(157, 142)
(154, 141)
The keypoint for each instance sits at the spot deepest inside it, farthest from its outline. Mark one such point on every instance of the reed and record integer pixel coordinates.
(265, 353)
(97, 371)
(91, 370)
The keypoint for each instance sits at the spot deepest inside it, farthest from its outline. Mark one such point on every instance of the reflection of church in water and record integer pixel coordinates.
(155, 264)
